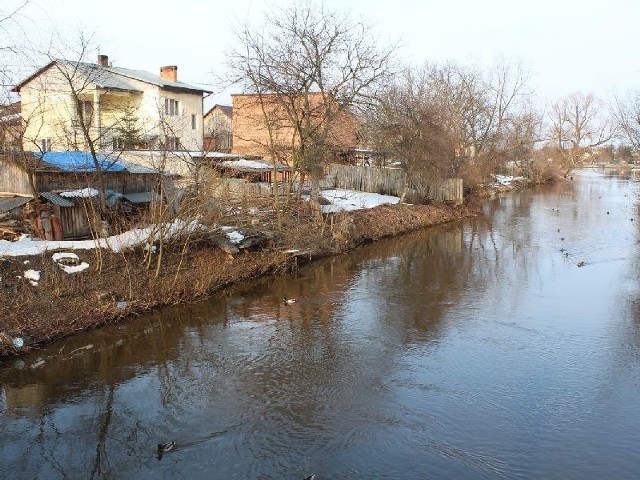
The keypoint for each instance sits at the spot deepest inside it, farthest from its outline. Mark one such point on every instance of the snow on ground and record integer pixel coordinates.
(346, 200)
(56, 257)
(508, 180)
(341, 200)
(33, 276)
(234, 235)
(29, 246)
(70, 269)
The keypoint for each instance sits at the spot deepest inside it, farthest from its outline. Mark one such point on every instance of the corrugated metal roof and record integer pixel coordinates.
(143, 197)
(57, 199)
(134, 168)
(8, 204)
(112, 198)
(79, 161)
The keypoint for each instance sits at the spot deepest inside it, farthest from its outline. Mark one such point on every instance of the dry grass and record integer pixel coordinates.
(63, 304)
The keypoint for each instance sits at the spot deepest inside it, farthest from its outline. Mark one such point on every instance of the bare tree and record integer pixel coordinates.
(10, 25)
(578, 124)
(307, 66)
(626, 112)
(440, 119)
(409, 126)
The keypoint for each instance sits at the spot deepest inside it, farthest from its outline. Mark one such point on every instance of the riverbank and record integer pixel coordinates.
(37, 312)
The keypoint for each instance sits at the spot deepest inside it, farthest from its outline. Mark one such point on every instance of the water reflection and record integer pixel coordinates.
(476, 350)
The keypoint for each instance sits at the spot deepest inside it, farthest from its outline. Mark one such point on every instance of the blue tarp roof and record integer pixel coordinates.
(80, 161)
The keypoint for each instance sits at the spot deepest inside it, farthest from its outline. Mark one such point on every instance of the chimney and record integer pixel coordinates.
(170, 72)
(103, 60)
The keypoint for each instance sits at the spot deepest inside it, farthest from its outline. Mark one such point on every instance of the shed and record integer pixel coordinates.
(55, 171)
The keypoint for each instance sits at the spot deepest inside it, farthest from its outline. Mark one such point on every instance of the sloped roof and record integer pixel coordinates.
(10, 113)
(115, 78)
(80, 161)
(141, 197)
(135, 168)
(57, 199)
(8, 204)
(226, 109)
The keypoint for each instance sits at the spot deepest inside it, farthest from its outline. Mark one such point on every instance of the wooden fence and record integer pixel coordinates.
(387, 181)
(390, 181)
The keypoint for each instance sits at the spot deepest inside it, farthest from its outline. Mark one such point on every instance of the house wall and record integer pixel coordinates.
(253, 134)
(217, 131)
(217, 121)
(161, 125)
(49, 111)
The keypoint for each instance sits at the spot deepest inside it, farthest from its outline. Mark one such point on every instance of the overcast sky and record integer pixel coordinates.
(567, 45)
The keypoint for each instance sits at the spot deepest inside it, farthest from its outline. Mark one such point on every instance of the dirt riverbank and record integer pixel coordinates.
(62, 305)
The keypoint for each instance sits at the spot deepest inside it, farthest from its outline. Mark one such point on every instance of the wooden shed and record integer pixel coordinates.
(55, 178)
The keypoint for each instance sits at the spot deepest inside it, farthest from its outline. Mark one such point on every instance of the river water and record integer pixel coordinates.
(476, 350)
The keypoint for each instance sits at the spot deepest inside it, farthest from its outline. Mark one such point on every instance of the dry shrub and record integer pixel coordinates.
(473, 174)
(543, 171)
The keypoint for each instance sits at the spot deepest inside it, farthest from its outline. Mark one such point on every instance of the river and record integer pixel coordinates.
(476, 350)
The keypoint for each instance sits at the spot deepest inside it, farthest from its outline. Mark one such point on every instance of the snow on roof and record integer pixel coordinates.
(244, 164)
(10, 118)
(84, 193)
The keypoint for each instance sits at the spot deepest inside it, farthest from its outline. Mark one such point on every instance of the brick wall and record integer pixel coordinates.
(261, 124)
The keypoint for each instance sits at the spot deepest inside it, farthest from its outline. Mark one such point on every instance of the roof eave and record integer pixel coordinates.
(173, 88)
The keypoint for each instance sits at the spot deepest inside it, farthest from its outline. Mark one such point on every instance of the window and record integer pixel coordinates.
(171, 107)
(172, 143)
(118, 143)
(194, 124)
(86, 106)
(45, 144)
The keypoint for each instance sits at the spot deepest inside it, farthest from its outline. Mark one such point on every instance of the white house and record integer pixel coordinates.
(70, 105)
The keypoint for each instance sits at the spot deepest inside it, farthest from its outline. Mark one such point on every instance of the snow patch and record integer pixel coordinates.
(70, 269)
(85, 192)
(56, 257)
(347, 200)
(33, 276)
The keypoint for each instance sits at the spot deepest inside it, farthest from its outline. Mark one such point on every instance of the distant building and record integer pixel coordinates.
(218, 136)
(10, 128)
(118, 107)
(261, 126)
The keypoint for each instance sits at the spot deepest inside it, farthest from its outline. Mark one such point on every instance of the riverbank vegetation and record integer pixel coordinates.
(315, 77)
(42, 301)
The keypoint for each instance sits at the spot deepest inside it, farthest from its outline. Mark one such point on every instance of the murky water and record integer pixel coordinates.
(478, 350)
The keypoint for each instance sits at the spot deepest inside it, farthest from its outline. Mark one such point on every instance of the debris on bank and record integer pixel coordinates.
(506, 183)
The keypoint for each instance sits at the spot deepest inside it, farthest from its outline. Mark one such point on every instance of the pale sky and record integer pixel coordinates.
(566, 45)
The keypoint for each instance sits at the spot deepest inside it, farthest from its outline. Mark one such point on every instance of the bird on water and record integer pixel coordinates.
(166, 447)
(289, 301)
